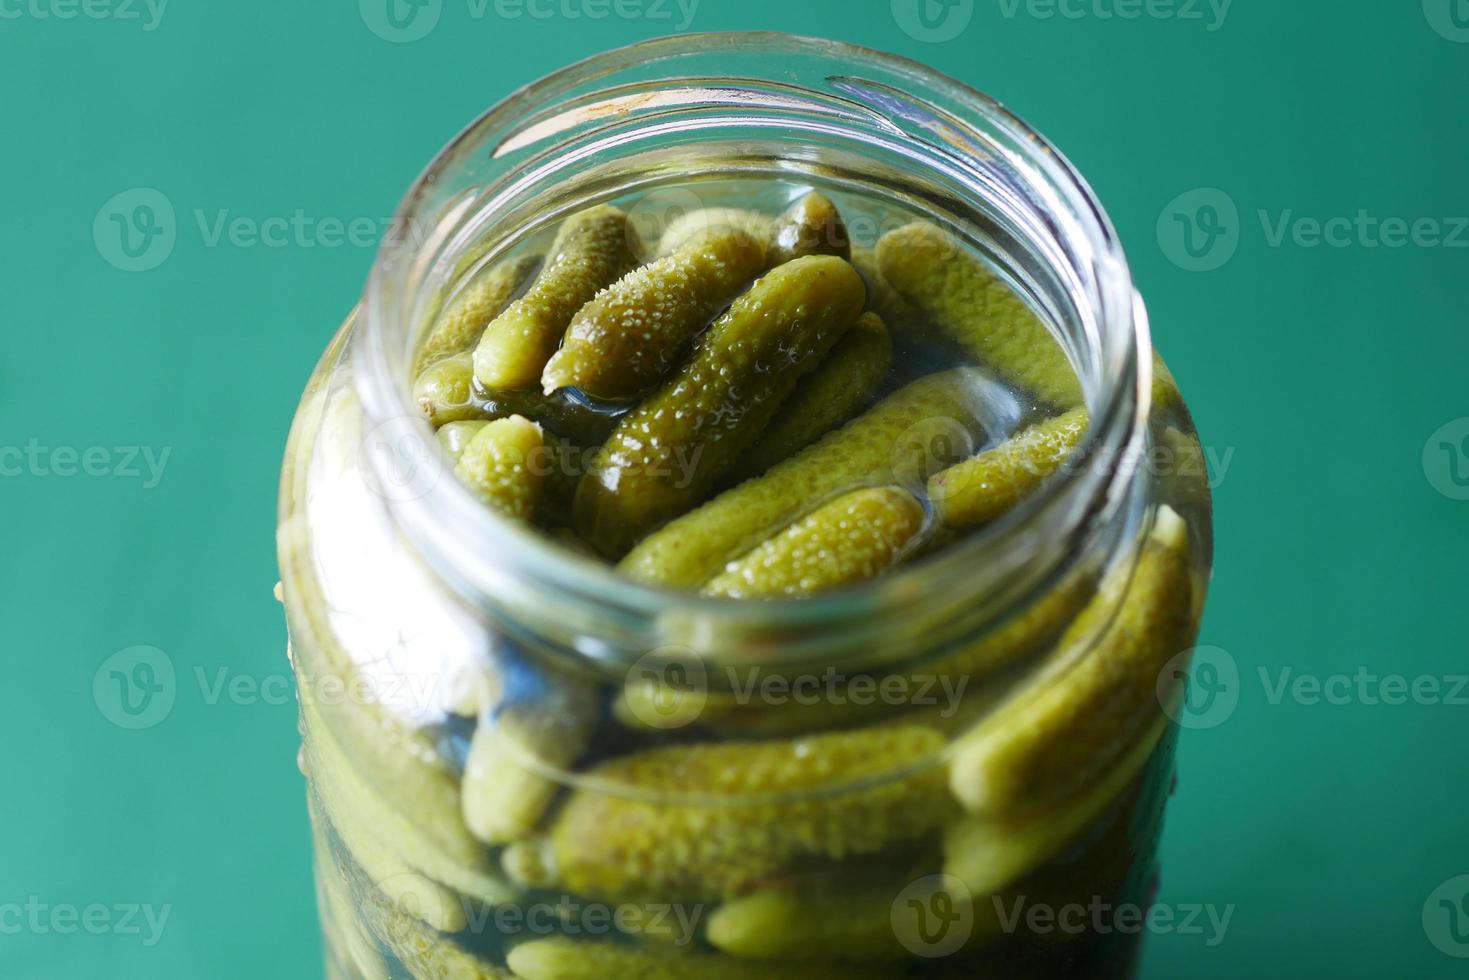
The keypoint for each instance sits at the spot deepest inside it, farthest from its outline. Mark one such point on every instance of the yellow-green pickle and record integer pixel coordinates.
(794, 581)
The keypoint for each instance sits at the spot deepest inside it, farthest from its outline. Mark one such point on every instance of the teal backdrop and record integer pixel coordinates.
(1289, 178)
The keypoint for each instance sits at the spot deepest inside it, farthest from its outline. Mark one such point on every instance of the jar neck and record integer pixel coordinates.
(622, 122)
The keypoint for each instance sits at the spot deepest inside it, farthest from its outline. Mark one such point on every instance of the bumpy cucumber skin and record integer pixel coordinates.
(983, 488)
(592, 250)
(632, 335)
(454, 436)
(498, 466)
(811, 226)
(618, 848)
(970, 306)
(459, 328)
(505, 795)
(666, 454)
(567, 959)
(853, 538)
(694, 548)
(845, 384)
(1057, 736)
(424, 953)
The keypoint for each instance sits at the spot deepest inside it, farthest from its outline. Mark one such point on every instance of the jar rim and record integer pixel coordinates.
(473, 548)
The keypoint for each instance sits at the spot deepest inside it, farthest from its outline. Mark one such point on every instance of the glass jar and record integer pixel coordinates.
(522, 764)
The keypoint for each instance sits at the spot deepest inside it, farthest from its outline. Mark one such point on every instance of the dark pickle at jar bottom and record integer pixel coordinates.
(797, 392)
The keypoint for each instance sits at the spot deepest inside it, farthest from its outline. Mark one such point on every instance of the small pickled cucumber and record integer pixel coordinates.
(633, 334)
(686, 226)
(382, 865)
(509, 775)
(424, 954)
(498, 466)
(1059, 735)
(667, 453)
(435, 849)
(414, 799)
(971, 306)
(459, 327)
(842, 915)
(902, 317)
(445, 392)
(760, 810)
(844, 385)
(567, 959)
(339, 916)
(854, 538)
(454, 436)
(988, 853)
(986, 486)
(694, 548)
(811, 226)
(592, 250)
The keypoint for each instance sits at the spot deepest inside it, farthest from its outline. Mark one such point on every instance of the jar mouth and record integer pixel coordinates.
(483, 179)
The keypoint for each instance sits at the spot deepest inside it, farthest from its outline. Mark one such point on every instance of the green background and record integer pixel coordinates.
(1319, 373)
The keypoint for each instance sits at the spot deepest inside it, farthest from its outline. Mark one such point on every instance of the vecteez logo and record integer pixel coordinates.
(1446, 459)
(136, 230)
(1200, 688)
(933, 21)
(1446, 917)
(146, 13)
(1450, 18)
(1199, 230)
(401, 21)
(934, 916)
(135, 688)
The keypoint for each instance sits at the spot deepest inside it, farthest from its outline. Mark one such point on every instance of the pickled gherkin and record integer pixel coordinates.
(454, 436)
(665, 456)
(425, 954)
(972, 307)
(445, 392)
(694, 548)
(989, 852)
(811, 226)
(459, 327)
(567, 959)
(754, 811)
(591, 251)
(391, 839)
(844, 915)
(681, 229)
(632, 334)
(498, 465)
(509, 775)
(985, 487)
(845, 384)
(852, 539)
(1056, 737)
